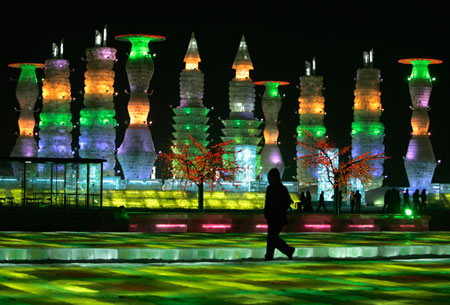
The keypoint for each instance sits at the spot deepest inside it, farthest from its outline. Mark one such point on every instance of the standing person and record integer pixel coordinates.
(406, 204)
(309, 207)
(358, 201)
(423, 197)
(275, 212)
(322, 202)
(302, 201)
(352, 201)
(387, 195)
(416, 200)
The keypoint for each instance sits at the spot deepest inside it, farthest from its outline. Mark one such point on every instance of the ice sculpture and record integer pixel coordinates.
(311, 111)
(271, 105)
(137, 153)
(367, 130)
(191, 116)
(97, 123)
(55, 124)
(241, 127)
(27, 93)
(420, 162)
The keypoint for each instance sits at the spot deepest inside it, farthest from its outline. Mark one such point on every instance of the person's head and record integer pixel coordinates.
(357, 191)
(273, 176)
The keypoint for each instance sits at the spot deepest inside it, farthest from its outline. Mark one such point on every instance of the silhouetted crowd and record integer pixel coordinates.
(392, 201)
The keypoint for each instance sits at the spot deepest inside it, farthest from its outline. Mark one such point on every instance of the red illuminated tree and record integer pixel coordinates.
(325, 153)
(200, 165)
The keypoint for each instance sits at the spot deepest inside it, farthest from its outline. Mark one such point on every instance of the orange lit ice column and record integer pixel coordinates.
(27, 93)
(97, 123)
(191, 116)
(311, 112)
(241, 127)
(271, 105)
(420, 162)
(55, 124)
(367, 130)
(137, 153)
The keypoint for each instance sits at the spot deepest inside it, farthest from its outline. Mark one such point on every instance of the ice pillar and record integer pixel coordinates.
(241, 127)
(137, 153)
(97, 130)
(420, 162)
(271, 105)
(311, 111)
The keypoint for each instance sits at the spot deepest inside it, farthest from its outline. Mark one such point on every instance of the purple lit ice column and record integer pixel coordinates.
(367, 130)
(97, 123)
(55, 125)
(137, 153)
(311, 115)
(271, 105)
(27, 93)
(420, 162)
(241, 127)
(191, 116)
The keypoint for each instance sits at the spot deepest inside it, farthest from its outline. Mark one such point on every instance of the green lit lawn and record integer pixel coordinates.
(277, 282)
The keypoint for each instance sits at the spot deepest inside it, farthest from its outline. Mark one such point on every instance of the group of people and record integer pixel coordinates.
(392, 200)
(355, 201)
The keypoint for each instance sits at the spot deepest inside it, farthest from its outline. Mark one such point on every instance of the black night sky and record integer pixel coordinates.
(280, 37)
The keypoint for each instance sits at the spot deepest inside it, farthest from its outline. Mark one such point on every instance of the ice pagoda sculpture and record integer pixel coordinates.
(311, 111)
(420, 162)
(241, 127)
(97, 122)
(137, 153)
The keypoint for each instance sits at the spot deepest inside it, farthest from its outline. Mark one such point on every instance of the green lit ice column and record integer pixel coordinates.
(137, 153)
(420, 162)
(271, 104)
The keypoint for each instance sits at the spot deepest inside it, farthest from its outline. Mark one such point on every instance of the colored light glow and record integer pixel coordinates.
(242, 63)
(171, 225)
(317, 226)
(216, 226)
(365, 226)
(408, 212)
(261, 226)
(407, 226)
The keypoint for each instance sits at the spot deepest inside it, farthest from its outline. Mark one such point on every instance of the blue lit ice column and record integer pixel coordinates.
(271, 105)
(137, 153)
(191, 116)
(97, 122)
(311, 115)
(325, 175)
(420, 162)
(55, 139)
(241, 127)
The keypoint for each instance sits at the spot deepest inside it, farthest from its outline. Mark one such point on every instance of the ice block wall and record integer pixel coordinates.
(271, 105)
(311, 111)
(420, 162)
(137, 153)
(241, 127)
(367, 130)
(97, 122)
(55, 126)
(191, 116)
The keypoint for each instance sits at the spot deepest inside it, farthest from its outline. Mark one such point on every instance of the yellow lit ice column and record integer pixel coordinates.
(55, 126)
(420, 162)
(367, 130)
(27, 93)
(271, 105)
(97, 123)
(191, 116)
(241, 127)
(311, 114)
(137, 153)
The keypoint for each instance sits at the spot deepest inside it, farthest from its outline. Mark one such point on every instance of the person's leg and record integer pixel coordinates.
(280, 244)
(271, 239)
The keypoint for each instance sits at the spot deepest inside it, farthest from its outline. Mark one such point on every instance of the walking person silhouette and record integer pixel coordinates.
(277, 203)
(321, 202)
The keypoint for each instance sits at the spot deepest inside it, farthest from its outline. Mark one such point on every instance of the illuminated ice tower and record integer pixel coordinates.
(191, 116)
(367, 130)
(97, 130)
(137, 153)
(271, 105)
(55, 119)
(420, 161)
(241, 127)
(27, 93)
(311, 111)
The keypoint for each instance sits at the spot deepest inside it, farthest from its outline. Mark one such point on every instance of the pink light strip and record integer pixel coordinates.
(216, 226)
(407, 226)
(361, 226)
(321, 226)
(262, 226)
(170, 225)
